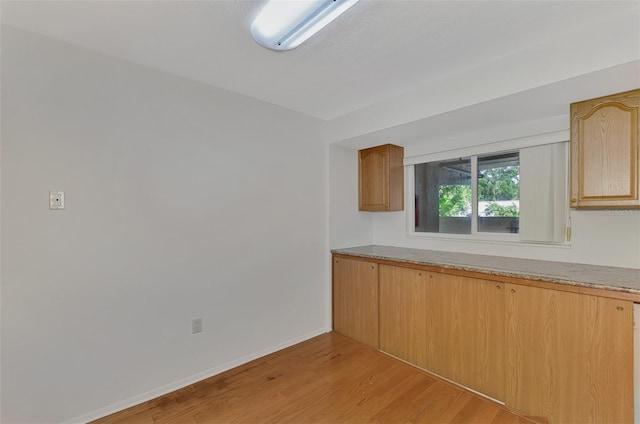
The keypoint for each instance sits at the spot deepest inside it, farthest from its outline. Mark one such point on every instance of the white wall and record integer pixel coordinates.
(348, 227)
(610, 238)
(182, 201)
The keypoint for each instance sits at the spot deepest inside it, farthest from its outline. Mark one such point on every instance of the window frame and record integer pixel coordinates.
(473, 152)
(475, 233)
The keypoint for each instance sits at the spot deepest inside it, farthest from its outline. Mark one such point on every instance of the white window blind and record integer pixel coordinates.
(543, 193)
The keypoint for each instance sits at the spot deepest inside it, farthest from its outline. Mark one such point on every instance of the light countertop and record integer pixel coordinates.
(592, 276)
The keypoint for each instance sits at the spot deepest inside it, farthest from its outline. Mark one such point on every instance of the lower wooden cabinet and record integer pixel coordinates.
(465, 332)
(355, 300)
(450, 325)
(551, 355)
(402, 313)
(569, 356)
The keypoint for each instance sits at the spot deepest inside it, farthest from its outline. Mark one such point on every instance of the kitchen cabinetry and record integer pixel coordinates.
(465, 332)
(381, 178)
(569, 356)
(604, 152)
(355, 300)
(403, 314)
(450, 325)
(557, 353)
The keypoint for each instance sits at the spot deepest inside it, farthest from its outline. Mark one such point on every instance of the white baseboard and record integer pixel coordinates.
(168, 388)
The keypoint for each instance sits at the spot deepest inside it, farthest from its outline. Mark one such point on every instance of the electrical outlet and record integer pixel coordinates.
(56, 200)
(196, 325)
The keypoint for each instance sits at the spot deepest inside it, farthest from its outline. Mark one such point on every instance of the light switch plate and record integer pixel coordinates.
(56, 200)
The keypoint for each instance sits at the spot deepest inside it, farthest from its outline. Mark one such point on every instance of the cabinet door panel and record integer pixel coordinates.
(604, 151)
(374, 178)
(381, 178)
(355, 300)
(465, 332)
(402, 313)
(569, 356)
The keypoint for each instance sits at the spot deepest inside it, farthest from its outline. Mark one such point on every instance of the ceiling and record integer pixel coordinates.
(377, 50)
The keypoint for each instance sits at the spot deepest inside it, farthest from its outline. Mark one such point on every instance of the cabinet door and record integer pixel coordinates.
(569, 356)
(604, 151)
(402, 313)
(374, 177)
(465, 332)
(381, 178)
(355, 300)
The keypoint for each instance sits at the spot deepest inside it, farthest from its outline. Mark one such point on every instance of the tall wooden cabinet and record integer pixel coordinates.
(381, 178)
(569, 356)
(605, 152)
(355, 300)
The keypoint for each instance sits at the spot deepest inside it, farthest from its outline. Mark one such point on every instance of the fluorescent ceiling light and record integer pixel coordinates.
(285, 24)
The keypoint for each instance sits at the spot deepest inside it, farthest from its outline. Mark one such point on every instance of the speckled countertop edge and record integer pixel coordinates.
(625, 280)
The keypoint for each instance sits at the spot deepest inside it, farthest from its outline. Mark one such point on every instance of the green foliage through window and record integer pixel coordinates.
(501, 183)
(455, 200)
(495, 209)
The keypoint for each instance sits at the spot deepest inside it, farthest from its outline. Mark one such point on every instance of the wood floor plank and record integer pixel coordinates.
(408, 407)
(505, 417)
(328, 379)
(442, 402)
(476, 411)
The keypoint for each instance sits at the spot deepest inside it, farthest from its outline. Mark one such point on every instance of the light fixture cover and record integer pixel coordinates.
(285, 24)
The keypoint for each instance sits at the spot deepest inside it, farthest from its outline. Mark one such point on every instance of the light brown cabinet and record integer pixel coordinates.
(605, 152)
(450, 325)
(553, 355)
(465, 332)
(403, 313)
(569, 356)
(381, 178)
(355, 300)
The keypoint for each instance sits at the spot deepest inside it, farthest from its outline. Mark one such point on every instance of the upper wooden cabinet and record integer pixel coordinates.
(381, 178)
(604, 152)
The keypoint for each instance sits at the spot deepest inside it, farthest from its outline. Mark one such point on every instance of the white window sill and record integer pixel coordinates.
(500, 239)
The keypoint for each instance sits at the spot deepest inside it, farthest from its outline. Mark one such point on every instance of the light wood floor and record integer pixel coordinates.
(328, 379)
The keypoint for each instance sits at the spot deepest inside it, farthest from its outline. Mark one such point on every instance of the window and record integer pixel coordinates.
(482, 196)
(499, 193)
(449, 185)
(443, 197)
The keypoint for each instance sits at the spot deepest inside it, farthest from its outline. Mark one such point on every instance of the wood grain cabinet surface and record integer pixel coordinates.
(355, 300)
(569, 356)
(553, 355)
(403, 313)
(381, 178)
(604, 152)
(465, 332)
